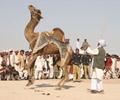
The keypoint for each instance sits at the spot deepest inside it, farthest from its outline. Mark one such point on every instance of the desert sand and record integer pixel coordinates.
(46, 90)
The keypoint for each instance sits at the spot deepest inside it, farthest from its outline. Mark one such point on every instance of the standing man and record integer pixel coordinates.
(21, 60)
(50, 59)
(86, 59)
(76, 60)
(11, 58)
(78, 43)
(39, 63)
(98, 67)
(113, 66)
(85, 44)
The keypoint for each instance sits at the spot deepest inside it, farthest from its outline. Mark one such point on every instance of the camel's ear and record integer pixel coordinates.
(40, 13)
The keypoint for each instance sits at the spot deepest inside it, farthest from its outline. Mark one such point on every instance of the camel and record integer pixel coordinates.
(32, 36)
(50, 48)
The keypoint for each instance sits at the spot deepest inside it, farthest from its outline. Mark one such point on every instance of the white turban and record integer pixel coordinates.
(102, 43)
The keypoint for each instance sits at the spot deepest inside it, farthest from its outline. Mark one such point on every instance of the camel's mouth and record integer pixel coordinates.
(35, 11)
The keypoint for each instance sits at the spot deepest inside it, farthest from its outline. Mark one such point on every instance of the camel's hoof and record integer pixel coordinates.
(29, 83)
(58, 88)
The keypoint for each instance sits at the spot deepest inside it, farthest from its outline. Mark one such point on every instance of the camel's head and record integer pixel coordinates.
(35, 13)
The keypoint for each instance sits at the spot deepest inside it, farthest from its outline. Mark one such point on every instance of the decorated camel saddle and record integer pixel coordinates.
(45, 39)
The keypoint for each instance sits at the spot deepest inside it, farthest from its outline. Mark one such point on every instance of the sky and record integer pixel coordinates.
(90, 19)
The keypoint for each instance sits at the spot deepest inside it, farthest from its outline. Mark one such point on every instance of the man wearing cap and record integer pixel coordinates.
(98, 67)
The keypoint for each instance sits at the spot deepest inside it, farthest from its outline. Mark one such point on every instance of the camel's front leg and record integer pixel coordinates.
(64, 79)
(31, 70)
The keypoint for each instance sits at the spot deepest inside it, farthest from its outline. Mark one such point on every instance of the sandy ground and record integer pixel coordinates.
(46, 90)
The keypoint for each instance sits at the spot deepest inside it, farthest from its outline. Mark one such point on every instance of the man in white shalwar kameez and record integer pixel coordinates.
(39, 63)
(50, 60)
(98, 67)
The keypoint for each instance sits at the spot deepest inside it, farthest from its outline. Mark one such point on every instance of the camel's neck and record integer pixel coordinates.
(29, 30)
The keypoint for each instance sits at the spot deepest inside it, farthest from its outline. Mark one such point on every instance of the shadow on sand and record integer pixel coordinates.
(46, 85)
